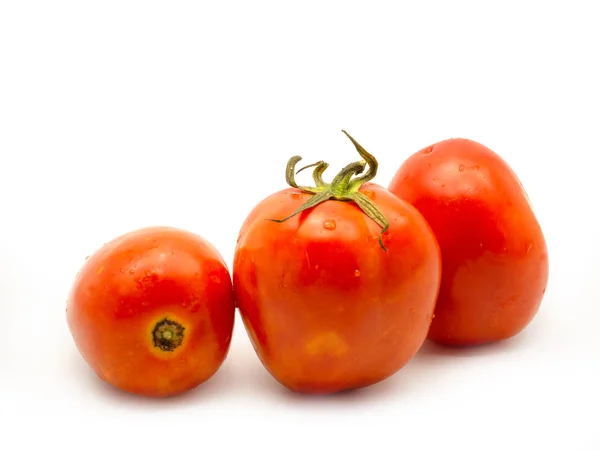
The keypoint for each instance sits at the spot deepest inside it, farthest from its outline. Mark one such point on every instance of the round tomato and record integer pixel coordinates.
(494, 256)
(340, 293)
(152, 311)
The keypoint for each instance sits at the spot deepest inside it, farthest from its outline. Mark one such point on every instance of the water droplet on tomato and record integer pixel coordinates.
(461, 167)
(529, 247)
(329, 225)
(357, 273)
(195, 307)
(428, 150)
(215, 279)
(131, 271)
(412, 310)
(295, 195)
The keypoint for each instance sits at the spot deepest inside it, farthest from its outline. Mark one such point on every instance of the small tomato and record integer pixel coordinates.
(152, 312)
(494, 256)
(336, 284)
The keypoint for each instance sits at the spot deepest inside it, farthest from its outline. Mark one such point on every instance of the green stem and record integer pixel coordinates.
(289, 174)
(320, 167)
(344, 187)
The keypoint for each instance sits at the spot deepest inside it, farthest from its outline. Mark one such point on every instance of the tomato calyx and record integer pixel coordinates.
(167, 335)
(342, 188)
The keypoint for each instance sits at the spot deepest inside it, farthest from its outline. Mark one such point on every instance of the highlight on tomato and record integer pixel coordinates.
(152, 311)
(336, 283)
(494, 256)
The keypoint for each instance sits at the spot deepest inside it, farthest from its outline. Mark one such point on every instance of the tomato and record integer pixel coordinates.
(340, 294)
(152, 312)
(494, 255)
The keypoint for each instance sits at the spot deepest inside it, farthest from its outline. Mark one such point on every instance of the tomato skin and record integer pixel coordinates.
(326, 308)
(135, 282)
(494, 255)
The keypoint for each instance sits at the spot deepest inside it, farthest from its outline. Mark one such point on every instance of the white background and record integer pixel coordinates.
(116, 115)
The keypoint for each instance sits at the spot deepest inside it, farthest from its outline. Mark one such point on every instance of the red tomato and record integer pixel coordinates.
(327, 307)
(494, 256)
(152, 312)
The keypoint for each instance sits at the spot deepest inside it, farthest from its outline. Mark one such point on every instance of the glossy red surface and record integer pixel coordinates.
(326, 308)
(137, 281)
(494, 255)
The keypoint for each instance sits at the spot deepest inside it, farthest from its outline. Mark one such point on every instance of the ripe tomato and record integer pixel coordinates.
(494, 256)
(326, 306)
(152, 311)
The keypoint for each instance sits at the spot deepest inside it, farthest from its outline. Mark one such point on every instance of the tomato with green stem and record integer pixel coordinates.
(335, 283)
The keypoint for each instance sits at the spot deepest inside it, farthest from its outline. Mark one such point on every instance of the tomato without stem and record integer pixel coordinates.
(340, 294)
(152, 311)
(494, 256)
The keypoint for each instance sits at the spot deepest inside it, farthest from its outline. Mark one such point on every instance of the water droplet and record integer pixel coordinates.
(215, 279)
(195, 307)
(476, 167)
(461, 167)
(412, 310)
(131, 271)
(295, 195)
(529, 247)
(329, 225)
(428, 150)
(144, 304)
(443, 185)
(317, 267)
(357, 273)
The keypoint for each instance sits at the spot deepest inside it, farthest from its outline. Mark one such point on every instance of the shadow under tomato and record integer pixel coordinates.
(431, 350)
(375, 393)
(427, 365)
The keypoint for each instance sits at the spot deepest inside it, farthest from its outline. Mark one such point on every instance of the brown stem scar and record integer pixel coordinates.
(167, 335)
